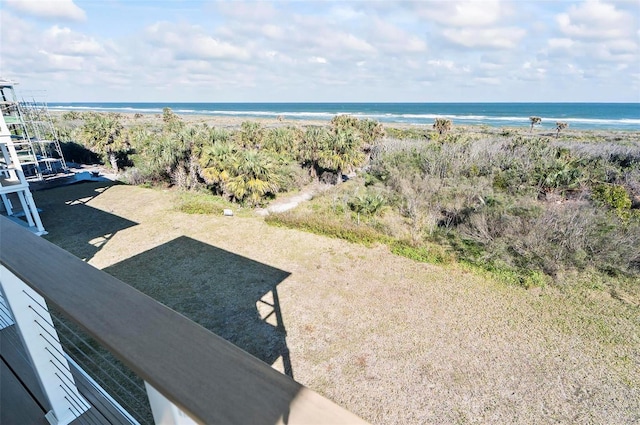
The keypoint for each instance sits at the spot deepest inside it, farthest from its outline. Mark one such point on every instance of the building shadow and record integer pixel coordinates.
(74, 225)
(231, 295)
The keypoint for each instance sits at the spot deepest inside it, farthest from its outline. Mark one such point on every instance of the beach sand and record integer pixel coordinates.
(233, 123)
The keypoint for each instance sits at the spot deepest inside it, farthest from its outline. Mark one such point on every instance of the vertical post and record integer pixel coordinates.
(165, 412)
(41, 342)
(33, 210)
(25, 208)
(7, 203)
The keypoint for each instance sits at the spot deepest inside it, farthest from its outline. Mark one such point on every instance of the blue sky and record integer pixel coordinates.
(323, 51)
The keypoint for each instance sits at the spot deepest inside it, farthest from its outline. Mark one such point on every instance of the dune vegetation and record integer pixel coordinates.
(527, 207)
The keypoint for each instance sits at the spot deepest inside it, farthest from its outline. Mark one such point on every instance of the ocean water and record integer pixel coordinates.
(585, 116)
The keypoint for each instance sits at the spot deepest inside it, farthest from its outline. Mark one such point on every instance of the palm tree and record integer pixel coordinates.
(313, 143)
(282, 140)
(442, 125)
(370, 130)
(534, 121)
(344, 122)
(103, 133)
(255, 176)
(367, 204)
(251, 134)
(218, 135)
(164, 154)
(172, 122)
(216, 164)
(343, 152)
(560, 126)
(194, 139)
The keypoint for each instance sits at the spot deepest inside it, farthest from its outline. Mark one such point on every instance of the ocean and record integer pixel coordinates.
(584, 116)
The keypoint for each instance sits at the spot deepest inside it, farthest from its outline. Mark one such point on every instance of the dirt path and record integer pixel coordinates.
(285, 203)
(393, 340)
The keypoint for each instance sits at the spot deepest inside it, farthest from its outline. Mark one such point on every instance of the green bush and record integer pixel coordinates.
(612, 196)
(251, 134)
(368, 204)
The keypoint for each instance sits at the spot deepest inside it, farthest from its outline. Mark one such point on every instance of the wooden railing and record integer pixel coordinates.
(207, 378)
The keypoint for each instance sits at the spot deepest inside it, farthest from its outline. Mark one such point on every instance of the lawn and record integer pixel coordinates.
(393, 340)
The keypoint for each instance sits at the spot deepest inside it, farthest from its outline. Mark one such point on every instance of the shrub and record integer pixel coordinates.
(251, 134)
(370, 130)
(133, 176)
(442, 125)
(613, 196)
(344, 122)
(368, 204)
(71, 116)
(75, 152)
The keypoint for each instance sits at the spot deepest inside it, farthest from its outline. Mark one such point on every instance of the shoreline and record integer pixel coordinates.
(580, 117)
(234, 123)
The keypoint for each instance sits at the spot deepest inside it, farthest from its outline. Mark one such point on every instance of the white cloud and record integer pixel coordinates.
(500, 38)
(345, 13)
(390, 38)
(490, 66)
(439, 69)
(474, 23)
(597, 33)
(62, 62)
(351, 42)
(48, 9)
(185, 41)
(248, 11)
(594, 19)
(275, 32)
(492, 81)
(317, 59)
(65, 42)
(14, 32)
(560, 43)
(465, 13)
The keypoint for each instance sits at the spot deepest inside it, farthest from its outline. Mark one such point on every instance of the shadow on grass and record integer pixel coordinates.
(231, 295)
(75, 226)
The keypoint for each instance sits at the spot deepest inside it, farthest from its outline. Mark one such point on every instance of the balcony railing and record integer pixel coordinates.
(191, 374)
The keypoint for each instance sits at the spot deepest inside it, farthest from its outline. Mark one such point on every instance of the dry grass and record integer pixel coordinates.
(393, 340)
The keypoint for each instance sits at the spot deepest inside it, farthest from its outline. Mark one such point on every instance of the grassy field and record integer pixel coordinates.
(393, 340)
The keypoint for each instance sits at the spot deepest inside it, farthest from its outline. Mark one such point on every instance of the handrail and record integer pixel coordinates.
(207, 377)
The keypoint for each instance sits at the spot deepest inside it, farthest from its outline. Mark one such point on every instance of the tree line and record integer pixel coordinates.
(248, 165)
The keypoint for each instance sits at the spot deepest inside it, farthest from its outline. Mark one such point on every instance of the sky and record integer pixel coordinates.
(322, 51)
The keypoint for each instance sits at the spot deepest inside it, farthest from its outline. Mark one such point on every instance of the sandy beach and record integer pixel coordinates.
(233, 122)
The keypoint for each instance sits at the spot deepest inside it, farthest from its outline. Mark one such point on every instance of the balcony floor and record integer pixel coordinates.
(21, 399)
(17, 406)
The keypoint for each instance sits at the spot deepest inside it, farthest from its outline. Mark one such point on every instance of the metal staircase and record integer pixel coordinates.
(32, 133)
(13, 184)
